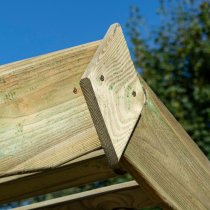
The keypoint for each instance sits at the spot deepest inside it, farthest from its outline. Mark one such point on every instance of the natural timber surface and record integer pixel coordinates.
(119, 196)
(161, 153)
(113, 93)
(44, 119)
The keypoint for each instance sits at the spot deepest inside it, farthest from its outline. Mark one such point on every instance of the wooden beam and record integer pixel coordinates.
(119, 196)
(112, 90)
(161, 153)
(44, 119)
(88, 168)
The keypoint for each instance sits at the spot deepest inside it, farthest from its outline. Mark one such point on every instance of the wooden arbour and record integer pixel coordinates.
(83, 114)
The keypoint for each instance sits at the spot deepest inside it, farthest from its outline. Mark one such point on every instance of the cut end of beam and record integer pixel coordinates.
(113, 93)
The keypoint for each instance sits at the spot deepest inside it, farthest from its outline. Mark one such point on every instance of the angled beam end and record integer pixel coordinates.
(113, 93)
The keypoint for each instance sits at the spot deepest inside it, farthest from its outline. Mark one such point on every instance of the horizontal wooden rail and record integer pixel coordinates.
(88, 168)
(119, 196)
(44, 119)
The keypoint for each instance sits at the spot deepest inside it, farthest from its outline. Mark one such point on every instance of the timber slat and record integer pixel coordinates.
(118, 196)
(88, 168)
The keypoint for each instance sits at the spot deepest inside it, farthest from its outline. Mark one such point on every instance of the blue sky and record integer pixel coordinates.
(33, 27)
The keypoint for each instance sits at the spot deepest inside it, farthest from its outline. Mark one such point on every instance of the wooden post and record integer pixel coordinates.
(159, 152)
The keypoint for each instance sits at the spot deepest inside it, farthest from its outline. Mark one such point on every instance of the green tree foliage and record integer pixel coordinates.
(175, 61)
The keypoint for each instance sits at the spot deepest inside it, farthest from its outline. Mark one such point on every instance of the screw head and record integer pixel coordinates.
(102, 78)
(134, 93)
(119, 171)
(75, 90)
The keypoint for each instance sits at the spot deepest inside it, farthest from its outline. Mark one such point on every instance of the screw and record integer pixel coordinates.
(75, 90)
(119, 171)
(102, 77)
(134, 93)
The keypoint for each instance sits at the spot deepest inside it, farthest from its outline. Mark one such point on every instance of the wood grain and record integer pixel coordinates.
(113, 93)
(44, 119)
(163, 154)
(125, 195)
(88, 168)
